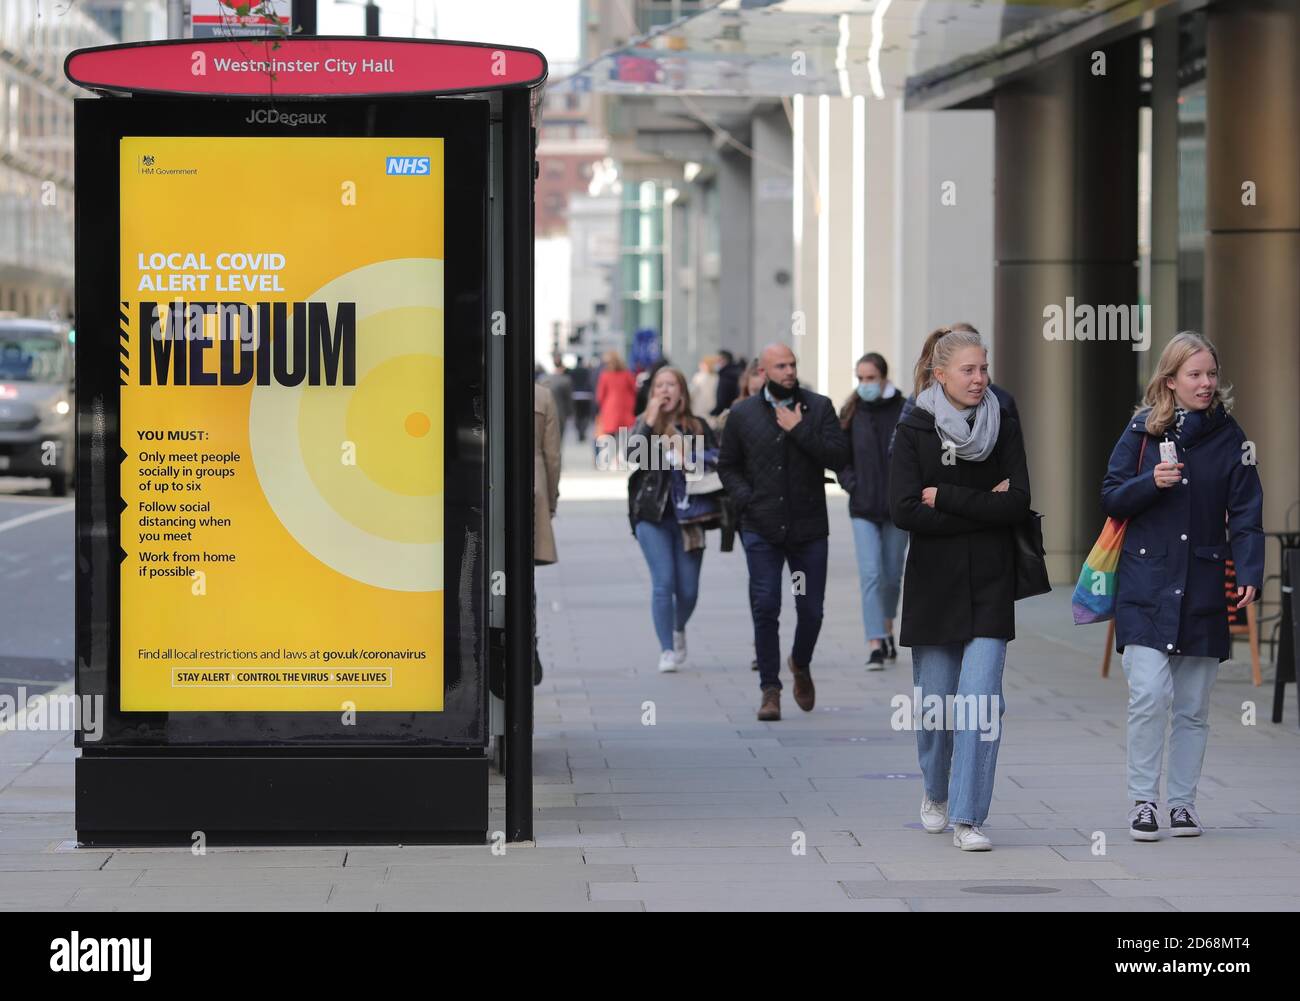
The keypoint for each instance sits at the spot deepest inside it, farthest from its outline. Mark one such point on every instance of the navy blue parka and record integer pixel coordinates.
(1170, 583)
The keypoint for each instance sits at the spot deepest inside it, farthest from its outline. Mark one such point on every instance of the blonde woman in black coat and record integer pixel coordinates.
(959, 484)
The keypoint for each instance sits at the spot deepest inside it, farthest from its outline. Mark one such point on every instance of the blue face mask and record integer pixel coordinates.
(869, 392)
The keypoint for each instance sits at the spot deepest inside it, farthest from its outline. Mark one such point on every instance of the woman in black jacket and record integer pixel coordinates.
(869, 417)
(665, 443)
(959, 484)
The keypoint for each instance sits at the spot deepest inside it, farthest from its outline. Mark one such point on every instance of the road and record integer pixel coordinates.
(36, 587)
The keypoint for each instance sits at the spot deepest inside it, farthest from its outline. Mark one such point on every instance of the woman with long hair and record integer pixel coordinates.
(615, 396)
(921, 373)
(666, 443)
(958, 482)
(868, 418)
(1177, 494)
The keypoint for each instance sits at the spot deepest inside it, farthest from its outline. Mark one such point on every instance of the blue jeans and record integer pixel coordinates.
(674, 576)
(958, 746)
(766, 562)
(881, 547)
(1157, 683)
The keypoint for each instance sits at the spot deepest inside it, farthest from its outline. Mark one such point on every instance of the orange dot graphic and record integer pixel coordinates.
(417, 424)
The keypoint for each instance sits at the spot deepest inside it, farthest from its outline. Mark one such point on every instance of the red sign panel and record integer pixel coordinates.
(313, 66)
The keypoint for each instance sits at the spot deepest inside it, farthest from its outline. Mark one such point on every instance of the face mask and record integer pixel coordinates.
(778, 391)
(868, 392)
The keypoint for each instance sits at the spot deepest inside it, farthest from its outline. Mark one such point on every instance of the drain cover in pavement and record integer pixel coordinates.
(1010, 890)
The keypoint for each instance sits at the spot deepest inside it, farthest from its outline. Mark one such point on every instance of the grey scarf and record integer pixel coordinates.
(974, 441)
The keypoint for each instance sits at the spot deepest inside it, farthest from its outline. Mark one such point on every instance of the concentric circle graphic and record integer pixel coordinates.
(355, 473)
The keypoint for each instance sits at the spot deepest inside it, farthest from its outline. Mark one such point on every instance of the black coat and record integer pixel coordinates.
(960, 580)
(728, 387)
(866, 477)
(1169, 589)
(775, 479)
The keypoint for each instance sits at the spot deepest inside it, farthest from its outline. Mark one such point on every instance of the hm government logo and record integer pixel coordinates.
(409, 166)
(148, 164)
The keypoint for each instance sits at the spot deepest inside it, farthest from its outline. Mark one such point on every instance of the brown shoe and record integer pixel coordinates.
(770, 710)
(805, 695)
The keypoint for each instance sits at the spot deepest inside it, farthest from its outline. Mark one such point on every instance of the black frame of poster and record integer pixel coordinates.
(281, 776)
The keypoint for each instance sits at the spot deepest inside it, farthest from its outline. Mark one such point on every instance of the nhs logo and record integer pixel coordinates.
(415, 166)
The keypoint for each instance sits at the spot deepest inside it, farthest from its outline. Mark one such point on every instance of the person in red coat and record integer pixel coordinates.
(615, 396)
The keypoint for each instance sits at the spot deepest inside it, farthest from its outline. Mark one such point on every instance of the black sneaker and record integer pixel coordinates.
(891, 652)
(1184, 823)
(876, 662)
(1142, 822)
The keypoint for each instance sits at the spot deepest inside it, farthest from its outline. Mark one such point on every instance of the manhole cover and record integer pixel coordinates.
(1010, 891)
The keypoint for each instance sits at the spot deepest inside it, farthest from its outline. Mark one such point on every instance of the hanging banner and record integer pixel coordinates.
(282, 418)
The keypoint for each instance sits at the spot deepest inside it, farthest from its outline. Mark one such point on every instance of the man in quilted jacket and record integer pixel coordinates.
(776, 447)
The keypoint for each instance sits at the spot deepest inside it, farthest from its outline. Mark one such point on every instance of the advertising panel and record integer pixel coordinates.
(281, 413)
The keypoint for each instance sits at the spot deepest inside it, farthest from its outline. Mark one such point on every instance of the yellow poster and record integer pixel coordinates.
(282, 423)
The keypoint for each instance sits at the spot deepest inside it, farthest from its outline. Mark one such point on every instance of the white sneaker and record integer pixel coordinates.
(934, 816)
(679, 647)
(970, 839)
(667, 662)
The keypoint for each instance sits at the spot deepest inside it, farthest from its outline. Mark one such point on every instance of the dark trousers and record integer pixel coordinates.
(581, 417)
(808, 582)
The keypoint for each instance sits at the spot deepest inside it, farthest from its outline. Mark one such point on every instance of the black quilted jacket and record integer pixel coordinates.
(775, 479)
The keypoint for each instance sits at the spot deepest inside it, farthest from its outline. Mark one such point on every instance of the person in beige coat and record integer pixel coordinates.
(546, 473)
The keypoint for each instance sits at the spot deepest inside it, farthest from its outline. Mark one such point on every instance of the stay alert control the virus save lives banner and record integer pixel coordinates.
(281, 415)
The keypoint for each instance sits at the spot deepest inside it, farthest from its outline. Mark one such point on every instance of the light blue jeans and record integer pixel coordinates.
(881, 548)
(674, 576)
(1158, 682)
(960, 755)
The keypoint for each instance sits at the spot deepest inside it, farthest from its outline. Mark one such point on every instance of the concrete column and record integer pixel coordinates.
(829, 277)
(835, 261)
(946, 230)
(773, 241)
(708, 311)
(1065, 227)
(736, 252)
(678, 304)
(1252, 251)
(878, 130)
(1164, 193)
(806, 203)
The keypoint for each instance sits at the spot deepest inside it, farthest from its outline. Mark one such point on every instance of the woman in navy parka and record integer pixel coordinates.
(1171, 617)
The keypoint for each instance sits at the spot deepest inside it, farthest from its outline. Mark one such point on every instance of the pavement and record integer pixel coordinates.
(662, 792)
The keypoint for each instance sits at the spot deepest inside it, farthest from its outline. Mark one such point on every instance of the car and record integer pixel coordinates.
(37, 407)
